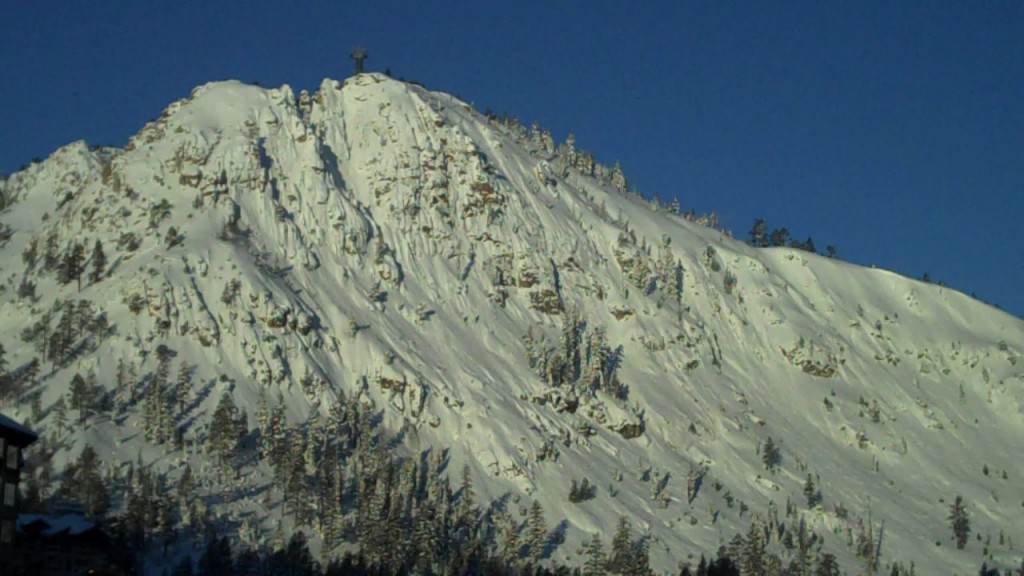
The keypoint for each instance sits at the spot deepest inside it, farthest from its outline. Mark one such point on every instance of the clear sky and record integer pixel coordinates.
(892, 130)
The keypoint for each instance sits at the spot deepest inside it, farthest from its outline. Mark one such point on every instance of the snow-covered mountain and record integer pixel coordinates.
(506, 299)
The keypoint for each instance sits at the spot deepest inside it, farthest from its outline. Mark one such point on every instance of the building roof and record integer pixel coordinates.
(71, 524)
(22, 435)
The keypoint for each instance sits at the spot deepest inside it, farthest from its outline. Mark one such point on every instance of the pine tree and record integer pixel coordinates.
(84, 484)
(123, 390)
(811, 493)
(596, 561)
(186, 487)
(99, 263)
(6, 380)
(702, 567)
(865, 539)
(73, 265)
(723, 566)
(427, 539)
(263, 425)
(30, 254)
(827, 565)
(61, 340)
(224, 433)
(296, 485)
(960, 522)
(693, 481)
(753, 557)
(779, 237)
(184, 567)
(182, 387)
(216, 559)
(60, 414)
(508, 529)
(759, 233)
(330, 488)
(51, 261)
(536, 531)
(167, 527)
(81, 397)
(771, 456)
(139, 513)
(464, 516)
(158, 424)
(640, 563)
(621, 556)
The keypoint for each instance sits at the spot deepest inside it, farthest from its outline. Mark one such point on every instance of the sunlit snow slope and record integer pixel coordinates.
(392, 242)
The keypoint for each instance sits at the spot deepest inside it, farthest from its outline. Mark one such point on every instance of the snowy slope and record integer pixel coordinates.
(383, 234)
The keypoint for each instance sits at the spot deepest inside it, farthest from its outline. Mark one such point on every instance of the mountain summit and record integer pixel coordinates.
(388, 261)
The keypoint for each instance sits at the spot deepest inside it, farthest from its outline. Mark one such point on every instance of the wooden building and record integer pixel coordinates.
(67, 545)
(14, 438)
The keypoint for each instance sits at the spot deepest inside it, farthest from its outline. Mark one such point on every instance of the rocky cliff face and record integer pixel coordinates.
(507, 301)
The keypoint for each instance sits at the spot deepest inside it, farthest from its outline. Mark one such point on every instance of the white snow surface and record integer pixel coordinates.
(373, 181)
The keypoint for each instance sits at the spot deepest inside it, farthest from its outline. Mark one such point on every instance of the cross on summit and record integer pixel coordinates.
(359, 55)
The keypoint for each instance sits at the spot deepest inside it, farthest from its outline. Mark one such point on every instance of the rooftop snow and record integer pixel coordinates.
(6, 422)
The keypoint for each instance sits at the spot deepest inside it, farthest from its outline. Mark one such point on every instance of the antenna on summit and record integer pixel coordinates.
(359, 55)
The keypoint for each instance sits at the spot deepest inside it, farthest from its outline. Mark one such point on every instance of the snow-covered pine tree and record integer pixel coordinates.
(960, 522)
(621, 556)
(83, 483)
(508, 537)
(465, 515)
(296, 485)
(30, 254)
(618, 178)
(595, 563)
(278, 432)
(81, 397)
(536, 531)
(61, 340)
(752, 560)
(694, 479)
(99, 263)
(167, 523)
(771, 455)
(599, 356)
(810, 492)
(224, 433)
(158, 423)
(759, 233)
(572, 327)
(640, 564)
(60, 411)
(427, 540)
(314, 439)
(182, 388)
(186, 487)
(51, 259)
(333, 508)
(827, 565)
(263, 424)
(72, 265)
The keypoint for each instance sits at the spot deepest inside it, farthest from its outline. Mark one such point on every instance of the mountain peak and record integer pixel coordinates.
(490, 294)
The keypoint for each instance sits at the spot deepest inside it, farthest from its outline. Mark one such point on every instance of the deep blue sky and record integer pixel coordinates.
(893, 130)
